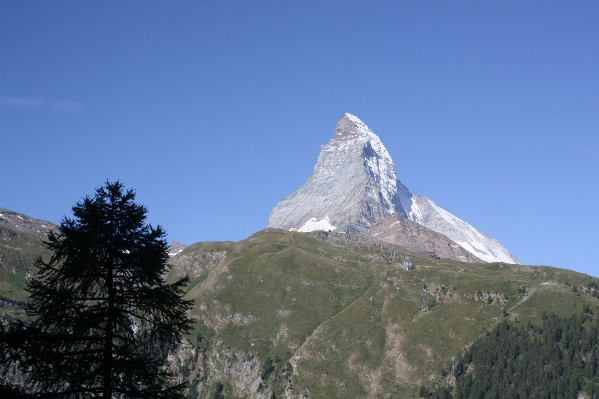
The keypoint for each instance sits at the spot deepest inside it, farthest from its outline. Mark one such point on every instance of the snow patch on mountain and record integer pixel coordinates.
(175, 248)
(313, 224)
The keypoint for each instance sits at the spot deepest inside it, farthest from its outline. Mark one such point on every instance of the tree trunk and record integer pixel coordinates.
(108, 358)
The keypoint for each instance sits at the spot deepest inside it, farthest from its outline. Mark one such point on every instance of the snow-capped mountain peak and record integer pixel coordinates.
(354, 186)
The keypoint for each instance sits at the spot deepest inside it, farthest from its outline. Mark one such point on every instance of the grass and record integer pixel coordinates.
(348, 320)
(286, 311)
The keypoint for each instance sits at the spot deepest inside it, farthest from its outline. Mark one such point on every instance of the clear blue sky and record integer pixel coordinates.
(213, 111)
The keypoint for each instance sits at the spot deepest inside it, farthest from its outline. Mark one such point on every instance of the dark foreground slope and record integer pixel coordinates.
(285, 314)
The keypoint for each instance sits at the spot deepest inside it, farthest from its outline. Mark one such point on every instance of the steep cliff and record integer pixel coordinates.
(352, 187)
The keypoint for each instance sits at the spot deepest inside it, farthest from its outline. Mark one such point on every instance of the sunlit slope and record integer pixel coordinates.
(20, 245)
(286, 313)
(18, 253)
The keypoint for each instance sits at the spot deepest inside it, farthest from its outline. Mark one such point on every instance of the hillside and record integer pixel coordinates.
(288, 314)
(327, 315)
(557, 358)
(21, 240)
(20, 244)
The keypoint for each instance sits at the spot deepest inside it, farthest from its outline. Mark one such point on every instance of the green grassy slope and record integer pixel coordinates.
(289, 314)
(18, 251)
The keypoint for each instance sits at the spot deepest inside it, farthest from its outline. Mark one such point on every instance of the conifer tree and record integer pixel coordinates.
(102, 314)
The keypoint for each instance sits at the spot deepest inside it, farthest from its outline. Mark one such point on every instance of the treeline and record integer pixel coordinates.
(557, 359)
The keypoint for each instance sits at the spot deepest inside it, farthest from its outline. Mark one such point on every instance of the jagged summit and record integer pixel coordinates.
(350, 126)
(354, 186)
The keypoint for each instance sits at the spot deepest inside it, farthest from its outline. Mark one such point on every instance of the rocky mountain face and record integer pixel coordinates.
(408, 234)
(354, 186)
(175, 248)
(427, 213)
(13, 224)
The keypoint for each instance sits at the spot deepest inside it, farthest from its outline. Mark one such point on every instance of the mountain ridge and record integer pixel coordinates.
(21, 240)
(409, 234)
(426, 213)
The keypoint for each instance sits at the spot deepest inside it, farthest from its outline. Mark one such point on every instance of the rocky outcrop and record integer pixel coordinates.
(200, 259)
(205, 367)
(406, 233)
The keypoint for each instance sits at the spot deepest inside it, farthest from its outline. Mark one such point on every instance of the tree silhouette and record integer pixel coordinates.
(102, 315)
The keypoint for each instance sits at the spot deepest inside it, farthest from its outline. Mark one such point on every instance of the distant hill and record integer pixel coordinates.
(21, 240)
(20, 245)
